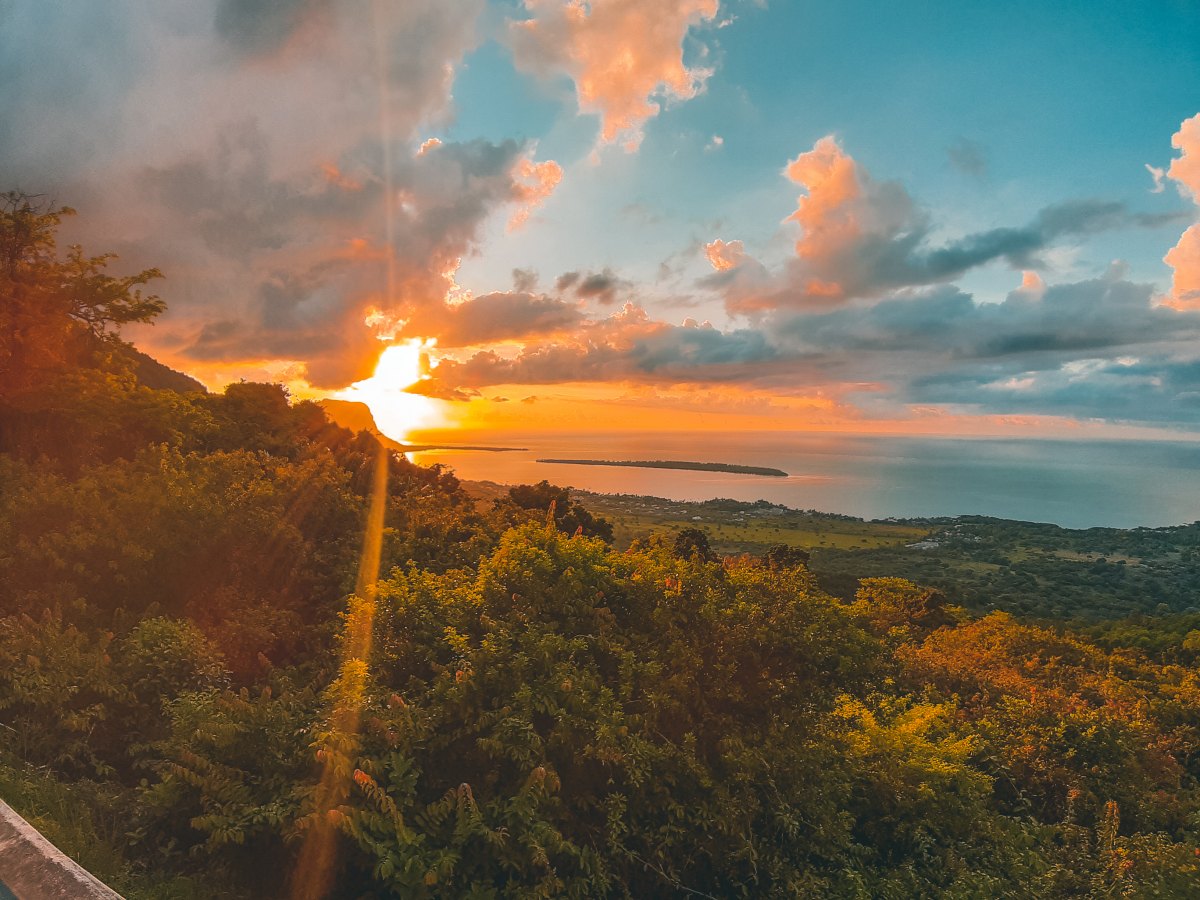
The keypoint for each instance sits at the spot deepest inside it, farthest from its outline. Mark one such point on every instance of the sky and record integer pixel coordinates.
(914, 218)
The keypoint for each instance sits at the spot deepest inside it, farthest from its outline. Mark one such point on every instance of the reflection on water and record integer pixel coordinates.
(1074, 484)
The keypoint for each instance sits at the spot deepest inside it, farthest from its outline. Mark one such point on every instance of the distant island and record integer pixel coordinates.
(673, 464)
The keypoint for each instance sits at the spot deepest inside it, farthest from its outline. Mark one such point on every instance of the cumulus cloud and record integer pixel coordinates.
(860, 238)
(535, 181)
(1184, 257)
(625, 57)
(1185, 168)
(187, 135)
(1032, 283)
(724, 255)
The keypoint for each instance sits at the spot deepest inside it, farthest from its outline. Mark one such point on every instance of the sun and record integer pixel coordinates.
(396, 411)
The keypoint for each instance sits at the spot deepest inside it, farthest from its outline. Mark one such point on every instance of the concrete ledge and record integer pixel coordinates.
(32, 868)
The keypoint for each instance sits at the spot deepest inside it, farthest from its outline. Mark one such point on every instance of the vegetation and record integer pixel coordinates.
(193, 690)
(1035, 570)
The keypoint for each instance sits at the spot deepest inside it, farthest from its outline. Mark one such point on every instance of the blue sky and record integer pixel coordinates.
(921, 217)
(1058, 100)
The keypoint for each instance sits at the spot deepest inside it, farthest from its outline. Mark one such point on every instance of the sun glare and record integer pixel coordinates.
(397, 412)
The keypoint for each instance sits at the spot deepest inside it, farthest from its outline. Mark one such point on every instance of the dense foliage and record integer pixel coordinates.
(1037, 569)
(534, 714)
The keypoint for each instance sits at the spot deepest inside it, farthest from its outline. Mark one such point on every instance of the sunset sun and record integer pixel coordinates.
(396, 410)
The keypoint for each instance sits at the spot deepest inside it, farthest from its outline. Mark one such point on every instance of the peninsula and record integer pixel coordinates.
(673, 464)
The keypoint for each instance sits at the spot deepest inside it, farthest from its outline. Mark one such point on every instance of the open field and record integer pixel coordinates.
(735, 527)
(982, 563)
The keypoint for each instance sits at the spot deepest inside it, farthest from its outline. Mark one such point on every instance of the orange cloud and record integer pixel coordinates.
(826, 212)
(621, 55)
(1031, 282)
(1184, 257)
(724, 255)
(532, 184)
(337, 177)
(1186, 168)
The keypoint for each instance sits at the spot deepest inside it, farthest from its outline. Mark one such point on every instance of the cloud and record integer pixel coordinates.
(947, 326)
(723, 255)
(1184, 257)
(600, 286)
(625, 57)
(969, 157)
(264, 156)
(860, 238)
(1185, 168)
(495, 317)
(627, 346)
(932, 345)
(535, 182)
(1158, 175)
(1156, 389)
(864, 310)
(304, 263)
(257, 27)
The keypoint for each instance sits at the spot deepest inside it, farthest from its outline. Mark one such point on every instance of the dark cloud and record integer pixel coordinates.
(524, 280)
(625, 346)
(599, 286)
(500, 316)
(262, 26)
(1155, 389)
(1066, 320)
(313, 248)
(969, 157)
(901, 257)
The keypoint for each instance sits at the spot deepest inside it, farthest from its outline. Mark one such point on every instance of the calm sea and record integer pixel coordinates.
(1073, 484)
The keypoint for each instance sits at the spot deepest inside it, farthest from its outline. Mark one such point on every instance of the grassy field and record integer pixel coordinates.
(732, 527)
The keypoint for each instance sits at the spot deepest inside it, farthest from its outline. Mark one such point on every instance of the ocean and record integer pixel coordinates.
(1075, 484)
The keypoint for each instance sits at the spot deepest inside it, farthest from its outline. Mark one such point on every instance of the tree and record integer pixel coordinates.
(781, 556)
(56, 312)
(693, 542)
(569, 516)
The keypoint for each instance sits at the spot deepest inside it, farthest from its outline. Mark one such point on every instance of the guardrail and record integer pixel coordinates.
(32, 868)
